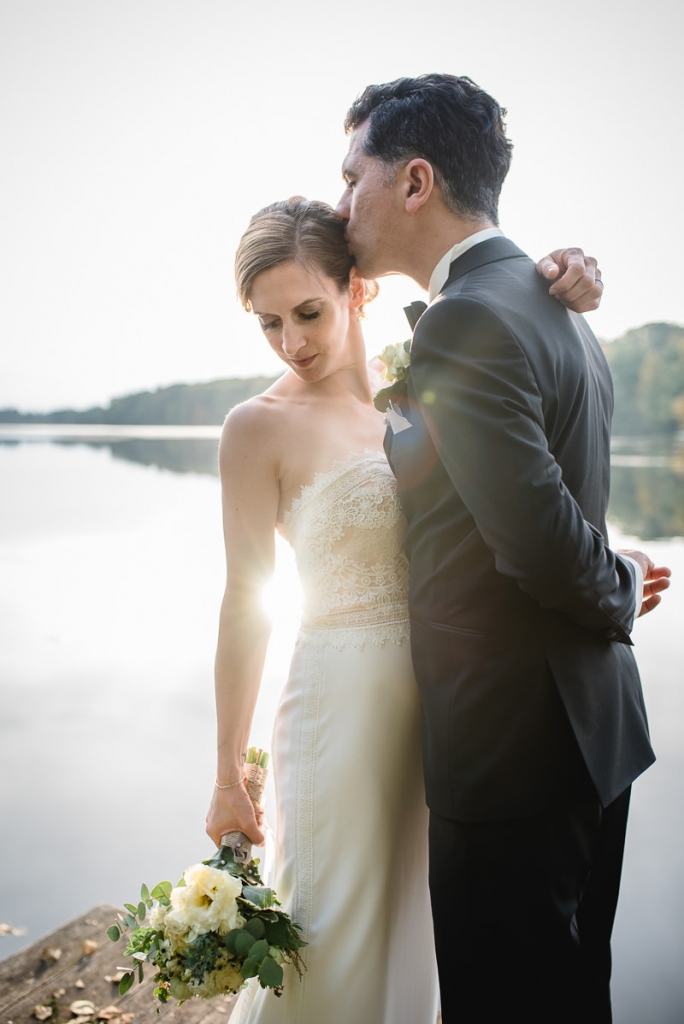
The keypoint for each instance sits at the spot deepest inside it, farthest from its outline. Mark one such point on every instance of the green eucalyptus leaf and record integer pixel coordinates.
(142, 911)
(230, 939)
(249, 969)
(279, 933)
(243, 943)
(259, 950)
(126, 983)
(165, 901)
(141, 973)
(259, 895)
(114, 933)
(131, 909)
(163, 889)
(270, 973)
(144, 893)
(130, 921)
(256, 927)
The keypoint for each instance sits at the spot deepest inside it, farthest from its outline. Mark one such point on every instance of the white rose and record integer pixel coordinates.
(207, 902)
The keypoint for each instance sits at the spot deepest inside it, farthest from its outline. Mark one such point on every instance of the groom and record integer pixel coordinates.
(534, 724)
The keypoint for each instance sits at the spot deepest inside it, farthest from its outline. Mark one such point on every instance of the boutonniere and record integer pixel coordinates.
(396, 360)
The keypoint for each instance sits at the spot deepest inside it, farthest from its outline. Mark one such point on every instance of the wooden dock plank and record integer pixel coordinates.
(30, 978)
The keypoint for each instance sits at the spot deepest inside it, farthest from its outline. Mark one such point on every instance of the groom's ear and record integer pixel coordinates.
(418, 183)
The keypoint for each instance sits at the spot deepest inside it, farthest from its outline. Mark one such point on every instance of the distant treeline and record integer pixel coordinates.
(648, 374)
(647, 366)
(185, 404)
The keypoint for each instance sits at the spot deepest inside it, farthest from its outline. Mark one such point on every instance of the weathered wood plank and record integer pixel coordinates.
(29, 978)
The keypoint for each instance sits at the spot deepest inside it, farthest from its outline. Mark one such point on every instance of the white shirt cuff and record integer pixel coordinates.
(639, 584)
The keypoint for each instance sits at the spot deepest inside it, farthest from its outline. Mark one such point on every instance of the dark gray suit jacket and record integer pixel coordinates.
(520, 612)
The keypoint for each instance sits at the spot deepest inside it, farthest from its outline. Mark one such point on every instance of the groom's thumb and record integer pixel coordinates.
(548, 266)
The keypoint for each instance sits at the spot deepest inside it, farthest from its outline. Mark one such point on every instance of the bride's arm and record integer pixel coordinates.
(250, 506)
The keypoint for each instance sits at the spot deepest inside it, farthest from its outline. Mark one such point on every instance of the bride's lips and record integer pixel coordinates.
(303, 364)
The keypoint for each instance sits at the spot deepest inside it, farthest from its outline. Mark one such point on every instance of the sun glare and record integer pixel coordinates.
(282, 595)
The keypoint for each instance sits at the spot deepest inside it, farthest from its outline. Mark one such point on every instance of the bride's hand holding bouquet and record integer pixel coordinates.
(220, 925)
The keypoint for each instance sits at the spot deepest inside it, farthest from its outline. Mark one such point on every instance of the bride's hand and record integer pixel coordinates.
(231, 810)
(576, 279)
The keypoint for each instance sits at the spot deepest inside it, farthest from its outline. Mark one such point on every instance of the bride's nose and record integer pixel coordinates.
(292, 340)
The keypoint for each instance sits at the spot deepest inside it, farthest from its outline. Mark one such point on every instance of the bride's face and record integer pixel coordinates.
(309, 323)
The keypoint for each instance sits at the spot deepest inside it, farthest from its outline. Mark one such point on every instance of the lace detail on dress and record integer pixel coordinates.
(347, 529)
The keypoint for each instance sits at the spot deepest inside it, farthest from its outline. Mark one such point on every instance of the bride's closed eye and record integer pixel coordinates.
(310, 316)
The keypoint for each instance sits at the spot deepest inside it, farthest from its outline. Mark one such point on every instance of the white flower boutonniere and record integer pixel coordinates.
(396, 360)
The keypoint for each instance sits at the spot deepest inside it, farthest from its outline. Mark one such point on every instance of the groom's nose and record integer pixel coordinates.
(343, 207)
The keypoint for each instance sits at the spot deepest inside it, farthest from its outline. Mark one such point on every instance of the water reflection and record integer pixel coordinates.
(178, 449)
(647, 489)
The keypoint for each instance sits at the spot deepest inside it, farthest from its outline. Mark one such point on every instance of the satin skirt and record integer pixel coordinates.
(351, 842)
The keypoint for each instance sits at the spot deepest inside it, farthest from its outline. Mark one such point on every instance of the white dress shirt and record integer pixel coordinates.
(438, 279)
(441, 271)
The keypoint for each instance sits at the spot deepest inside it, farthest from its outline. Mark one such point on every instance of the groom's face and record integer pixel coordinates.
(372, 207)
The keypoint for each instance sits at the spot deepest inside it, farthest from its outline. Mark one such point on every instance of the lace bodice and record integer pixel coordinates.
(346, 529)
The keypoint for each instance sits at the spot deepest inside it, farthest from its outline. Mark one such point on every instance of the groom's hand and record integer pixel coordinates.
(576, 279)
(656, 579)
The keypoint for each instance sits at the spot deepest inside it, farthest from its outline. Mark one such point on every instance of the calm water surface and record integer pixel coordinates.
(111, 573)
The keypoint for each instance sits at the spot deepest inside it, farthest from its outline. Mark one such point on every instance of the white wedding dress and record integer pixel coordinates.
(351, 850)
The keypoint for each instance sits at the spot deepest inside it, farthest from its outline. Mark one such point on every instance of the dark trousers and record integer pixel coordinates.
(523, 914)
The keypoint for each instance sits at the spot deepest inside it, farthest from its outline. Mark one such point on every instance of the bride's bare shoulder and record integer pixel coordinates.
(255, 427)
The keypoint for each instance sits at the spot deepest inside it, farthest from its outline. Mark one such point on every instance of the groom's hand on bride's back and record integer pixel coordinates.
(576, 279)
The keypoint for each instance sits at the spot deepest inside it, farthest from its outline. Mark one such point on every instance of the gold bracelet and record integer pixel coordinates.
(230, 784)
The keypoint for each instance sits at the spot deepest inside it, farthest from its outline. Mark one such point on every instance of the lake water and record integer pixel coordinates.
(111, 574)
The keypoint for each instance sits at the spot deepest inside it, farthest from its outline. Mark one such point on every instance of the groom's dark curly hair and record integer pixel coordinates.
(448, 121)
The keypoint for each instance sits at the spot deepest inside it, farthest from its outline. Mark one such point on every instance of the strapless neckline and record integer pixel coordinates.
(324, 479)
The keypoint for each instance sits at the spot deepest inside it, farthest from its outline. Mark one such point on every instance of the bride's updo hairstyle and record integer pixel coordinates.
(303, 230)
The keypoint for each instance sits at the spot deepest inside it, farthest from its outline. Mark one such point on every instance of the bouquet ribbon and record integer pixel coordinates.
(255, 777)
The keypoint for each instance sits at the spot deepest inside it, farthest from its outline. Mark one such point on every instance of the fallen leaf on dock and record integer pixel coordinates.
(125, 1018)
(114, 978)
(82, 1008)
(89, 946)
(79, 983)
(9, 929)
(41, 1012)
(109, 1013)
(58, 994)
(51, 953)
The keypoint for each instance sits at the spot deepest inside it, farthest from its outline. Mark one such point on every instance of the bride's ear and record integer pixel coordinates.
(357, 289)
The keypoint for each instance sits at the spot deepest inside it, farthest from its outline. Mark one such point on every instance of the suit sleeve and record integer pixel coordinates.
(482, 406)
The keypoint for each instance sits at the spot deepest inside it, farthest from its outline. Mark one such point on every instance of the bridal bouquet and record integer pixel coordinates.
(217, 928)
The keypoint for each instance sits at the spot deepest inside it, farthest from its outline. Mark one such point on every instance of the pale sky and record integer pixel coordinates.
(138, 137)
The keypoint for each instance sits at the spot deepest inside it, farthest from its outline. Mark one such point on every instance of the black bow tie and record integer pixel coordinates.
(414, 312)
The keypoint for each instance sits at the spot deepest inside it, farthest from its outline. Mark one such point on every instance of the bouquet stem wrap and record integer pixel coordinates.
(256, 774)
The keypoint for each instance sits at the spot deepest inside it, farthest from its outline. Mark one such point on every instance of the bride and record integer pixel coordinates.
(306, 458)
